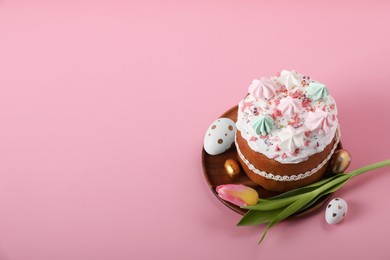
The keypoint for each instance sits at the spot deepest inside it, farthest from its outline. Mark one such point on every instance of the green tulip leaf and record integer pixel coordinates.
(285, 199)
(302, 190)
(288, 211)
(337, 185)
(265, 205)
(255, 217)
(275, 209)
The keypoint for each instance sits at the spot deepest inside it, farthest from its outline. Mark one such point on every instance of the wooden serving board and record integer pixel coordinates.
(214, 173)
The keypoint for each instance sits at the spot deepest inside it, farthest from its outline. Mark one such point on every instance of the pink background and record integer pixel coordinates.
(104, 105)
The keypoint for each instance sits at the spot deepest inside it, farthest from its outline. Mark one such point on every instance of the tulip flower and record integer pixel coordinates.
(238, 194)
(275, 209)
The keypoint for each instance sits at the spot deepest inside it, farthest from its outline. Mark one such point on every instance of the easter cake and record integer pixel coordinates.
(287, 131)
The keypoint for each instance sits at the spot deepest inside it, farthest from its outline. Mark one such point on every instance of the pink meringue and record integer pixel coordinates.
(262, 89)
(318, 121)
(289, 106)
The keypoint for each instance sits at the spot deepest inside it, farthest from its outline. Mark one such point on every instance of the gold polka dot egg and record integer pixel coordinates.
(219, 136)
(336, 210)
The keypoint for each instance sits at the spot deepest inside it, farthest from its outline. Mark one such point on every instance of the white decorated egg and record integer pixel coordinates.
(219, 136)
(336, 210)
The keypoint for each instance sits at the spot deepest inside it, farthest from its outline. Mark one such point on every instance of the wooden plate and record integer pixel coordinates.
(214, 173)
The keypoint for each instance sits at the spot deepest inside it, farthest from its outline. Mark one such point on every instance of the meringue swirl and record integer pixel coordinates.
(317, 91)
(289, 106)
(318, 121)
(263, 125)
(304, 117)
(262, 89)
(289, 79)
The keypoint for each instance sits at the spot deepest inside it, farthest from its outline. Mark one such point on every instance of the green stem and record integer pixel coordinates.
(341, 178)
(370, 168)
(344, 177)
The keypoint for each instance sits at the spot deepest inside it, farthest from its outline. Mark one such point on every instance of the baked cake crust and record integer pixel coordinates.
(263, 163)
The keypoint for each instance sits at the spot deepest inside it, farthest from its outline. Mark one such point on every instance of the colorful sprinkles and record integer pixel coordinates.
(314, 141)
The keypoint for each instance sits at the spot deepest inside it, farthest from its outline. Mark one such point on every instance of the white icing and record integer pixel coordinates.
(293, 177)
(271, 145)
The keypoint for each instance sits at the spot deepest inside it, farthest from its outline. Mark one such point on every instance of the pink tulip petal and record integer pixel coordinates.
(228, 188)
(238, 194)
(234, 200)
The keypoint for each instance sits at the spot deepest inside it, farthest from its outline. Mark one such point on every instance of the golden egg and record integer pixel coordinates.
(232, 168)
(340, 161)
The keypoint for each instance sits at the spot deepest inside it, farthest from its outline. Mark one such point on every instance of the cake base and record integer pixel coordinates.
(263, 163)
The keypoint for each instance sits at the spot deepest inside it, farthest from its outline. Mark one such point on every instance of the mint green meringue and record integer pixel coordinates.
(263, 125)
(317, 91)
